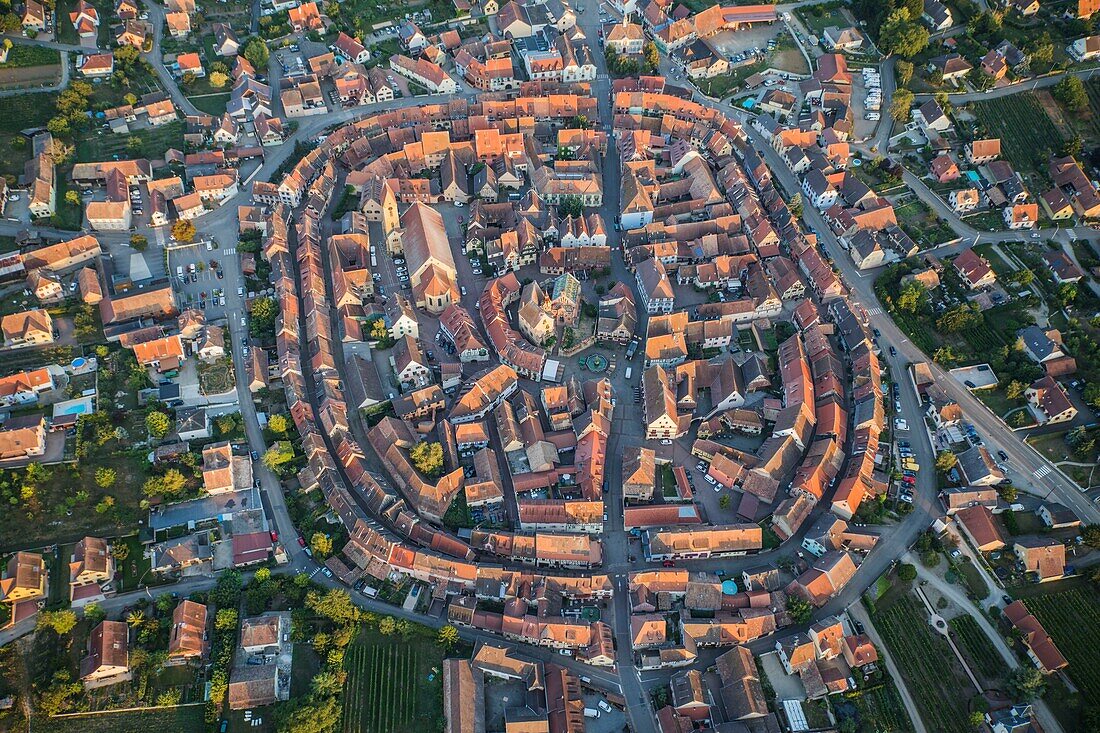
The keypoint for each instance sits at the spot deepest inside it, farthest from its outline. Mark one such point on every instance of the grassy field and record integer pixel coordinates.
(1072, 618)
(978, 649)
(394, 685)
(150, 143)
(213, 104)
(1028, 137)
(182, 719)
(21, 112)
(941, 690)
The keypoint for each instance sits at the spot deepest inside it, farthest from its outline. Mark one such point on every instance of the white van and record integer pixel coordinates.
(628, 372)
(179, 271)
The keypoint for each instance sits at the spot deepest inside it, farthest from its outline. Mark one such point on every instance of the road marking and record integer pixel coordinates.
(1043, 471)
(876, 311)
(229, 251)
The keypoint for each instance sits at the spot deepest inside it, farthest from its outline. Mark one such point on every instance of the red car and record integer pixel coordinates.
(668, 564)
(274, 536)
(301, 541)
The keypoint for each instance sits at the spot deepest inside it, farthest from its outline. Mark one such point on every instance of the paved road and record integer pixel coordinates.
(1025, 86)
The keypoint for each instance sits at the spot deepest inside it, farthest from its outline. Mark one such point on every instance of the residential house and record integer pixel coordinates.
(1049, 402)
(108, 657)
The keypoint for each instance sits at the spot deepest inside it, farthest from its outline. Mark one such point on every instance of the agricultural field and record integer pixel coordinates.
(181, 719)
(1028, 137)
(1072, 618)
(1088, 122)
(394, 684)
(941, 690)
(978, 649)
(150, 143)
(881, 709)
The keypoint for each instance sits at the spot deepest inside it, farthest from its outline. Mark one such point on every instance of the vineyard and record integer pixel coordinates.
(1090, 123)
(1020, 121)
(978, 649)
(393, 686)
(1072, 618)
(940, 689)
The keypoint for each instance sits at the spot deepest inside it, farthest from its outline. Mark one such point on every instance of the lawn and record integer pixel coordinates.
(149, 143)
(996, 400)
(940, 688)
(394, 684)
(1072, 618)
(978, 649)
(817, 18)
(213, 104)
(66, 215)
(1028, 137)
(181, 719)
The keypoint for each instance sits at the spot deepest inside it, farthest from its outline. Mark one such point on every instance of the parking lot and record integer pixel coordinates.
(732, 43)
(197, 275)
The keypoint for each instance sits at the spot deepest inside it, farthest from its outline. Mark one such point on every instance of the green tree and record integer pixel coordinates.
(900, 104)
(157, 423)
(907, 572)
(447, 637)
(1026, 683)
(571, 206)
(428, 458)
(387, 626)
(724, 502)
(255, 50)
(120, 551)
(263, 312)
(1091, 535)
(139, 242)
(72, 198)
(277, 458)
(61, 622)
(335, 605)
(1071, 147)
(321, 544)
(312, 714)
(1015, 389)
(326, 683)
(651, 55)
(1067, 294)
(225, 619)
(958, 319)
(171, 485)
(278, 424)
(94, 613)
(1070, 92)
(945, 461)
(902, 36)
(799, 610)
(105, 477)
(977, 720)
(912, 297)
(903, 73)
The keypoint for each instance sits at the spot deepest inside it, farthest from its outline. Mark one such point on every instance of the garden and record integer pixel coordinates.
(922, 224)
(875, 706)
(940, 688)
(180, 719)
(394, 683)
(149, 143)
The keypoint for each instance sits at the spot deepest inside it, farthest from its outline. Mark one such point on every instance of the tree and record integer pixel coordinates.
(1091, 535)
(278, 456)
(225, 619)
(902, 36)
(105, 477)
(255, 50)
(799, 610)
(912, 297)
(1067, 294)
(447, 637)
(1007, 492)
(335, 605)
(724, 502)
(139, 242)
(1071, 147)
(387, 626)
(326, 683)
(958, 319)
(263, 312)
(796, 206)
(120, 551)
(945, 461)
(72, 198)
(571, 206)
(218, 79)
(900, 104)
(1015, 389)
(907, 572)
(321, 544)
(651, 55)
(184, 231)
(170, 485)
(94, 613)
(278, 424)
(903, 73)
(428, 458)
(313, 714)
(1026, 683)
(158, 424)
(977, 720)
(1070, 92)
(61, 622)
(930, 559)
